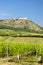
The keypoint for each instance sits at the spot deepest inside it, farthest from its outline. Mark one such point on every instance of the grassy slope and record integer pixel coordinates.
(7, 32)
(20, 25)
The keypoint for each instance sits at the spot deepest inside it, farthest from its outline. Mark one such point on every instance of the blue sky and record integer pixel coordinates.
(32, 9)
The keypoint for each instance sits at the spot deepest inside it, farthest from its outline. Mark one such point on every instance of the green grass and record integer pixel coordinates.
(7, 32)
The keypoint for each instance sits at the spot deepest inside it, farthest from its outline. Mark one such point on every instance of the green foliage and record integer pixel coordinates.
(2, 49)
(21, 33)
(20, 45)
(18, 48)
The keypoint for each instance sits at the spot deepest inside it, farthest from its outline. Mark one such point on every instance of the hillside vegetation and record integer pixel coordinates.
(19, 27)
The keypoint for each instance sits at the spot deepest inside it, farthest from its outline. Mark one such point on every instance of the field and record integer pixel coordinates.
(29, 48)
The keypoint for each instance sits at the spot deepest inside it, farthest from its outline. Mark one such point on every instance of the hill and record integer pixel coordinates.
(20, 26)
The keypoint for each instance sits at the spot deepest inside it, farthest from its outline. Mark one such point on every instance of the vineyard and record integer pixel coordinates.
(28, 47)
